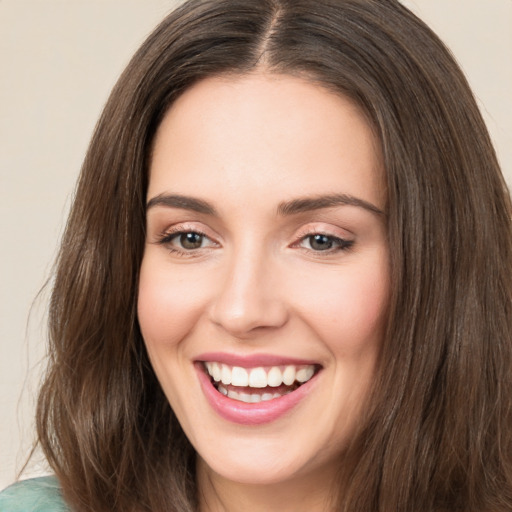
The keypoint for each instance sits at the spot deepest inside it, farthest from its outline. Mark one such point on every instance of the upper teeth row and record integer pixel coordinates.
(259, 377)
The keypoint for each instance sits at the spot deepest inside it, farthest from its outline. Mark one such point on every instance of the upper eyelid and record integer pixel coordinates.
(321, 229)
(342, 241)
(168, 235)
(307, 229)
(174, 233)
(187, 227)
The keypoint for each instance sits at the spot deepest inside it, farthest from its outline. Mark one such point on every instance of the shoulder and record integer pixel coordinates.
(34, 495)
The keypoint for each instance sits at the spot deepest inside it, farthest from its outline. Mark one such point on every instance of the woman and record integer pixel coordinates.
(285, 282)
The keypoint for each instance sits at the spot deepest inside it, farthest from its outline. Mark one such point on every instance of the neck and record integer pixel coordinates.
(304, 493)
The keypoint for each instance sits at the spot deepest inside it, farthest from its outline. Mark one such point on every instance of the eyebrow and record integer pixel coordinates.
(182, 202)
(307, 204)
(286, 208)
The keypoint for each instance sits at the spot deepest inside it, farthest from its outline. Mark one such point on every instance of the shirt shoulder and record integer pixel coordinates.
(34, 495)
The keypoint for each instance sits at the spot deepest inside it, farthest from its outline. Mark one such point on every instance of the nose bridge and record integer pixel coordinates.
(248, 296)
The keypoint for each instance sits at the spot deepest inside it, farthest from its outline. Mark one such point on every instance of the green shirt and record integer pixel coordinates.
(35, 495)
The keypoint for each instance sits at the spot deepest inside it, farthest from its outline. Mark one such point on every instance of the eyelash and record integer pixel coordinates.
(168, 236)
(340, 244)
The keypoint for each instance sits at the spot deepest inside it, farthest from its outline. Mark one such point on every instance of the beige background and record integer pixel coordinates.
(58, 61)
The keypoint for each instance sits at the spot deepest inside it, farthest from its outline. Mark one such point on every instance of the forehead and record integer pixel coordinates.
(266, 133)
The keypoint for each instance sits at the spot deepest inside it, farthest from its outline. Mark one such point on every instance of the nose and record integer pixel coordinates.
(248, 300)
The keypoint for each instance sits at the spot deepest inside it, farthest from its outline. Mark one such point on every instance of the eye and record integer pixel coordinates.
(319, 242)
(190, 240)
(186, 241)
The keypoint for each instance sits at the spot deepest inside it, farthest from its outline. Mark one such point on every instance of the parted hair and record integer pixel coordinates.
(437, 431)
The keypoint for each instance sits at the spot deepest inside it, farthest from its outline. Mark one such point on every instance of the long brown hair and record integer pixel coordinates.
(438, 433)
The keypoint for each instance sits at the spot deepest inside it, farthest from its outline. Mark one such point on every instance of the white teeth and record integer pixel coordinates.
(274, 377)
(289, 375)
(244, 397)
(215, 372)
(225, 375)
(249, 398)
(234, 395)
(304, 374)
(239, 376)
(258, 378)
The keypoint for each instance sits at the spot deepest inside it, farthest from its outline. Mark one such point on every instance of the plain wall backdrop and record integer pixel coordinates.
(58, 61)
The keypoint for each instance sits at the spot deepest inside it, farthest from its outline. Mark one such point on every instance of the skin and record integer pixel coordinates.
(257, 285)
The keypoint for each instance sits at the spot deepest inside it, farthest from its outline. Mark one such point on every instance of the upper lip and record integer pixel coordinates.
(252, 360)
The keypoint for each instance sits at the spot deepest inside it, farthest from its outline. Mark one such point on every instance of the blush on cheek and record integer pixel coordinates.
(367, 315)
(350, 311)
(168, 312)
(160, 314)
(368, 297)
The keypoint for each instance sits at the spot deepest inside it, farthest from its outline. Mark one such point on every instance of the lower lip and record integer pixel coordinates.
(251, 414)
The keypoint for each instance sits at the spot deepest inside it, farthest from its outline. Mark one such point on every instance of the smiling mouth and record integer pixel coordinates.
(260, 384)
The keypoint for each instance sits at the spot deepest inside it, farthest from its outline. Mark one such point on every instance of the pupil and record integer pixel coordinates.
(320, 242)
(191, 240)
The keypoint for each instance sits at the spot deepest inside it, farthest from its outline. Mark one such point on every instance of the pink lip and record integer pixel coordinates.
(251, 414)
(251, 361)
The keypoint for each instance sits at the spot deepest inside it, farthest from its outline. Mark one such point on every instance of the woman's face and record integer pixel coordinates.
(265, 281)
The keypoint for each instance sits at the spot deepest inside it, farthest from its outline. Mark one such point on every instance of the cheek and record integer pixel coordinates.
(347, 309)
(168, 309)
(168, 306)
